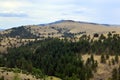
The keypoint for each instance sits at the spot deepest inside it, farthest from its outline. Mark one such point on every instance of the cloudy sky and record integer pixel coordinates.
(15, 13)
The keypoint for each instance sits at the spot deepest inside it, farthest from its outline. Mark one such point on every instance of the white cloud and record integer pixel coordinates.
(13, 4)
(43, 11)
(8, 14)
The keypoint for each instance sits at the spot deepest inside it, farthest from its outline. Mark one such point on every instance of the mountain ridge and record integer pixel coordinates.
(2, 29)
(60, 21)
(61, 28)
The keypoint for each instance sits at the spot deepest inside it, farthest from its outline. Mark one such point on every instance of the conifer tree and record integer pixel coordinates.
(103, 60)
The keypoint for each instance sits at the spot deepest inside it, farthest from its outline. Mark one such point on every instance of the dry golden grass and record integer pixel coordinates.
(52, 78)
(11, 75)
(71, 27)
(12, 42)
(103, 70)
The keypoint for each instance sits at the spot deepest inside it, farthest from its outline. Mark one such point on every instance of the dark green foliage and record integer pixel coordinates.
(119, 72)
(62, 58)
(91, 63)
(66, 34)
(113, 61)
(2, 78)
(20, 32)
(53, 57)
(37, 72)
(103, 59)
(109, 63)
(116, 58)
(102, 37)
(1, 60)
(96, 35)
(107, 56)
(109, 34)
(116, 74)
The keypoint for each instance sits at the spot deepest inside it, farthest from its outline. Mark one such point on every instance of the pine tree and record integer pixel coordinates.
(88, 61)
(109, 34)
(116, 58)
(107, 56)
(114, 74)
(109, 63)
(119, 72)
(2, 78)
(113, 61)
(103, 60)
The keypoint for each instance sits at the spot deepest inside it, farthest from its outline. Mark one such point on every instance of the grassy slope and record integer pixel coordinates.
(103, 70)
(10, 75)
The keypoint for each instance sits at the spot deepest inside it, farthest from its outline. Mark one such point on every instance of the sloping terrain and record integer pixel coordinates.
(16, 74)
(66, 59)
(59, 29)
(20, 36)
(15, 37)
(69, 28)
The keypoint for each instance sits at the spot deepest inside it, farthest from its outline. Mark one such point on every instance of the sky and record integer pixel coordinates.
(15, 13)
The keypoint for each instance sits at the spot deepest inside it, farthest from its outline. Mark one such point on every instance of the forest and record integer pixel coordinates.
(62, 57)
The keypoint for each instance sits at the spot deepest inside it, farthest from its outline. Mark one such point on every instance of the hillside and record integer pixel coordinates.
(85, 59)
(62, 28)
(87, 51)
(15, 37)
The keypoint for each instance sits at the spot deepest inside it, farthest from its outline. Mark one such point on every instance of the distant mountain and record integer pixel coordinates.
(60, 29)
(2, 29)
(60, 21)
(56, 22)
(82, 22)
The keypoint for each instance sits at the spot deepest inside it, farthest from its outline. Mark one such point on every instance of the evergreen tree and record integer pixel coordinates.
(2, 78)
(107, 56)
(115, 74)
(103, 60)
(113, 61)
(102, 37)
(116, 58)
(109, 63)
(109, 34)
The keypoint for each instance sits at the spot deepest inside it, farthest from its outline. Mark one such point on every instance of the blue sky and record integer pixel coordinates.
(15, 13)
